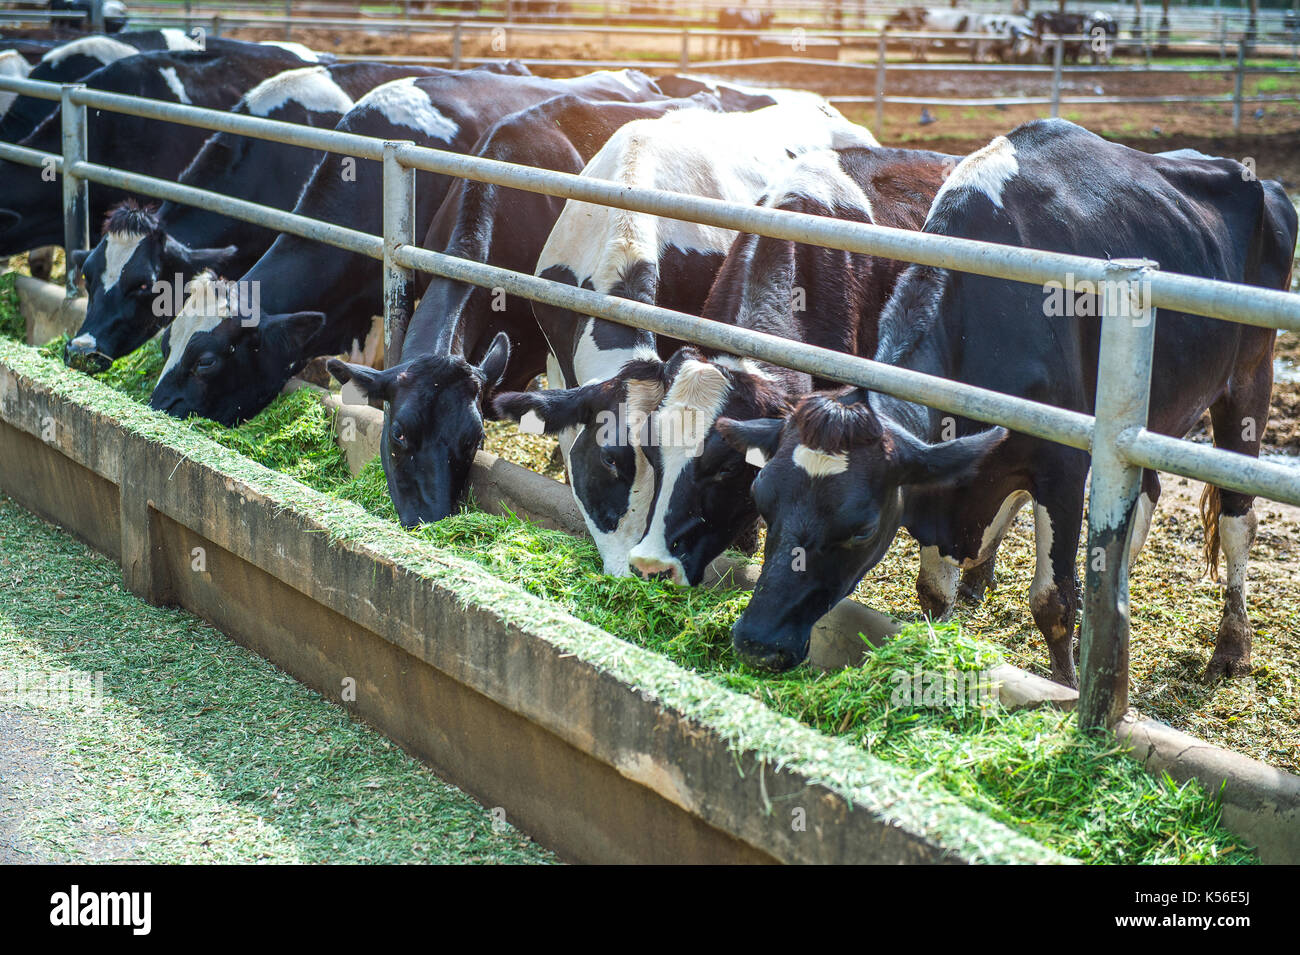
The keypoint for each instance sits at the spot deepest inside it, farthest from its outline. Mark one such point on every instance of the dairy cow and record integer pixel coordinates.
(173, 243)
(654, 260)
(462, 343)
(31, 206)
(317, 299)
(846, 470)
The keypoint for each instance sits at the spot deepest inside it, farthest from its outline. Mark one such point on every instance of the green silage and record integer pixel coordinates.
(1028, 769)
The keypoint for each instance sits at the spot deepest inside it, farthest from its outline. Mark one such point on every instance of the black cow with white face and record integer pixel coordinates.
(450, 359)
(31, 206)
(845, 472)
(71, 61)
(175, 242)
(229, 370)
(653, 260)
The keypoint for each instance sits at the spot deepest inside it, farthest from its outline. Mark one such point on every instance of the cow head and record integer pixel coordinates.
(128, 277)
(701, 500)
(224, 363)
(832, 487)
(433, 425)
(599, 426)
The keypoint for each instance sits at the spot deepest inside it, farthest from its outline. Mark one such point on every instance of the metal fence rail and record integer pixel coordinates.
(1116, 436)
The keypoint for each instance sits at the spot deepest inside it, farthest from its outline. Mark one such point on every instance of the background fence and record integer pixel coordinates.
(1117, 437)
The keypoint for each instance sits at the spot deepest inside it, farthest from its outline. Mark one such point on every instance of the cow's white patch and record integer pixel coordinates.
(310, 87)
(118, 249)
(202, 312)
(756, 457)
(101, 48)
(938, 578)
(1043, 586)
(986, 170)
(304, 53)
(1142, 512)
(174, 39)
(403, 103)
(174, 84)
(694, 400)
(13, 64)
(997, 529)
(1235, 537)
(532, 423)
(817, 463)
(819, 176)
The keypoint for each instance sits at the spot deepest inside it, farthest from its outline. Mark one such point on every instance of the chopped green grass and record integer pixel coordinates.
(1028, 769)
(12, 323)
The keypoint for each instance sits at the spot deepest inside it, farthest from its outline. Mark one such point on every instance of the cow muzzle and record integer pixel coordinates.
(82, 354)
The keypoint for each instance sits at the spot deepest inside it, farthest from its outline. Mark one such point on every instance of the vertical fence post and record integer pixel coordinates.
(189, 12)
(1123, 397)
(686, 48)
(76, 192)
(455, 45)
(880, 87)
(1223, 38)
(1238, 85)
(97, 16)
(399, 229)
(288, 15)
(1058, 59)
(216, 24)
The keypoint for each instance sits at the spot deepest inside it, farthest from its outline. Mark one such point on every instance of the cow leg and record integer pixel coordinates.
(978, 577)
(1239, 418)
(1054, 593)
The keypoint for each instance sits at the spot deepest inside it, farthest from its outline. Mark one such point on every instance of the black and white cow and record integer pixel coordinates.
(70, 62)
(823, 297)
(1008, 36)
(847, 470)
(31, 204)
(655, 260)
(740, 18)
(436, 394)
(113, 11)
(317, 299)
(1100, 28)
(175, 242)
(734, 97)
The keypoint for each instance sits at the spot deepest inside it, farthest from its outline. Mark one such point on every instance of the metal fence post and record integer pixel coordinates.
(880, 87)
(76, 191)
(1123, 396)
(399, 229)
(1058, 60)
(288, 14)
(455, 45)
(1238, 85)
(97, 16)
(686, 49)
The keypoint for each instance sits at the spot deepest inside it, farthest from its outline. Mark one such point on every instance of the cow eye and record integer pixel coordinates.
(206, 364)
(608, 461)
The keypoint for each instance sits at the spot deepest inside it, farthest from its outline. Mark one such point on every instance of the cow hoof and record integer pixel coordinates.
(1231, 656)
(975, 583)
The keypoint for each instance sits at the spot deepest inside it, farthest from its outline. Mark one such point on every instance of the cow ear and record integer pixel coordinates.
(493, 365)
(944, 464)
(79, 257)
(757, 440)
(179, 257)
(289, 333)
(547, 412)
(374, 384)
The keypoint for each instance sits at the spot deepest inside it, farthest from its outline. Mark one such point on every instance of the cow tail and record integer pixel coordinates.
(1210, 504)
